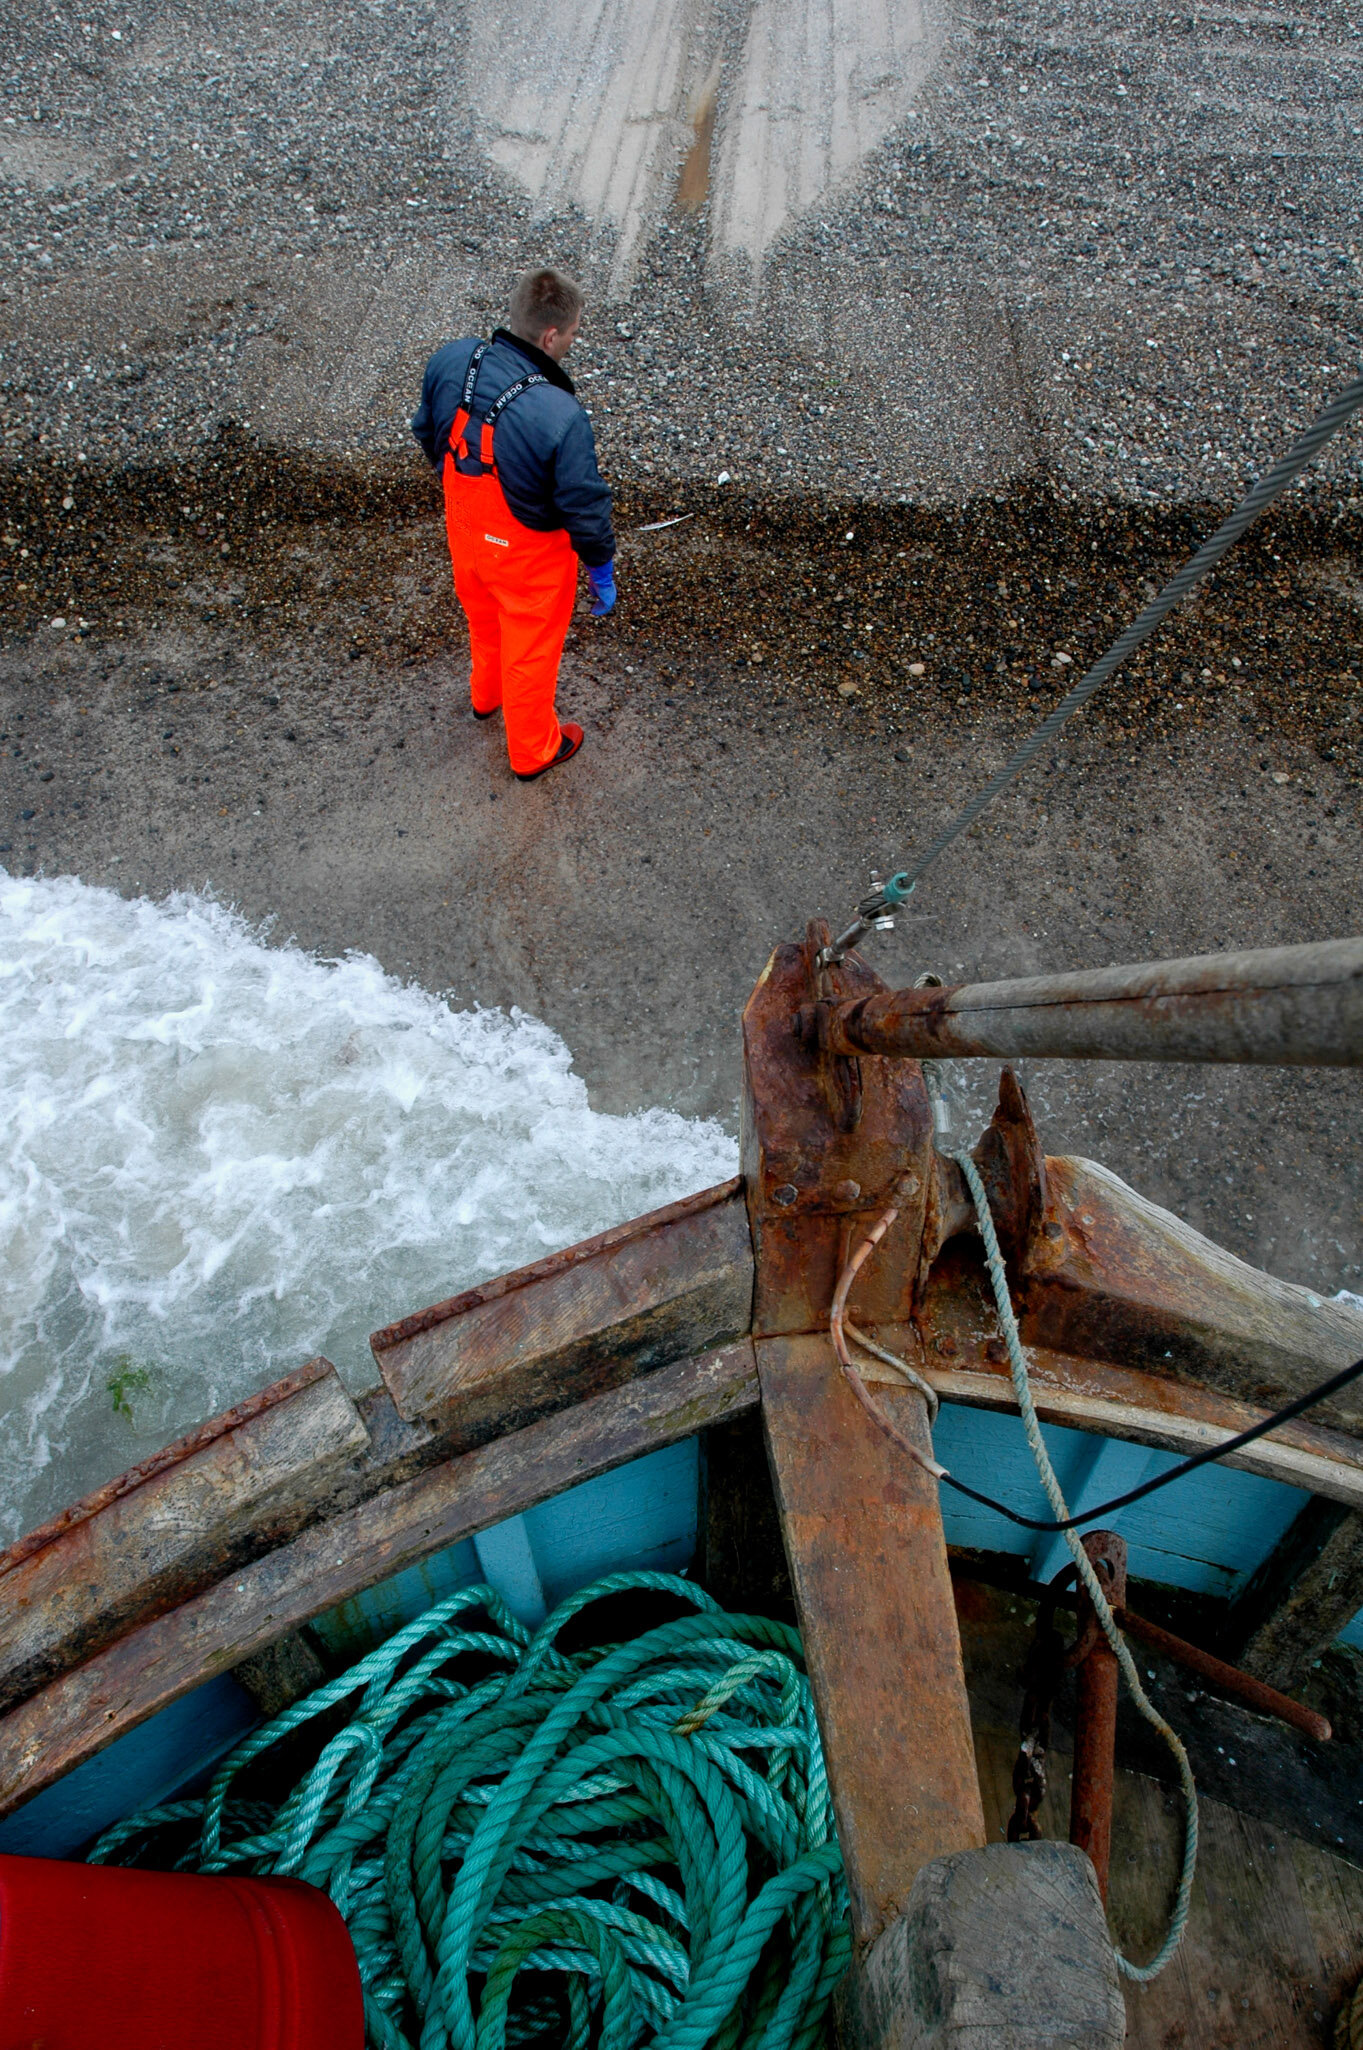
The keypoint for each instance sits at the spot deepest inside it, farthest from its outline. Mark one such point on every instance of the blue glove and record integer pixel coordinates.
(602, 585)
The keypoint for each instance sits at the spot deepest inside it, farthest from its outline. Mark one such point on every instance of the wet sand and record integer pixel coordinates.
(293, 735)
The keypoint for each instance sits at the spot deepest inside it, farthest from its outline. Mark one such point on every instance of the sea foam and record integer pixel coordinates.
(222, 1156)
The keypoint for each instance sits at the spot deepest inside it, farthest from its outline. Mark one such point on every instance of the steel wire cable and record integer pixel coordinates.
(1259, 497)
(644, 1829)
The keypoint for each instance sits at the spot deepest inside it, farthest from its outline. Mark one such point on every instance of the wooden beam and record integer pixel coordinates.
(69, 1721)
(741, 1559)
(659, 1288)
(1005, 1947)
(1301, 1597)
(281, 1674)
(1145, 1409)
(1233, 1343)
(863, 1535)
(1099, 1274)
(1111, 1276)
(247, 1480)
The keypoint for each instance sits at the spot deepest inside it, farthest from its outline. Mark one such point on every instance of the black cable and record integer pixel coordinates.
(1162, 1480)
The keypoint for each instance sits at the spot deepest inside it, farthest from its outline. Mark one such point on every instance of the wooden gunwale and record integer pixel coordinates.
(1144, 1409)
(552, 1265)
(500, 1447)
(582, 1320)
(72, 1718)
(669, 1286)
(202, 1435)
(460, 1496)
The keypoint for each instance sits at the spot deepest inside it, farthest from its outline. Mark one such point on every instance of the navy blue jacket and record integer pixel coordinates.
(546, 456)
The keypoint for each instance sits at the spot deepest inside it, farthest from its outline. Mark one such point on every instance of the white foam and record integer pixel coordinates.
(222, 1156)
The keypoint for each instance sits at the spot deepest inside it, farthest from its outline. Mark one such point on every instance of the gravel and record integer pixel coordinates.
(984, 396)
(1119, 251)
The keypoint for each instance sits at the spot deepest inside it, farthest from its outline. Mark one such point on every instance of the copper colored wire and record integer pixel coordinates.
(837, 1331)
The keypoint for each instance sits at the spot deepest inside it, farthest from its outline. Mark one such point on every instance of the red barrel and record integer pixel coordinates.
(126, 1960)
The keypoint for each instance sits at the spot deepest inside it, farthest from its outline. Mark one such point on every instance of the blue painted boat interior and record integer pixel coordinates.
(167, 1755)
(643, 1514)
(1206, 1535)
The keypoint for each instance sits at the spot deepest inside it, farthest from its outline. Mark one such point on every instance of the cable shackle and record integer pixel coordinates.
(875, 910)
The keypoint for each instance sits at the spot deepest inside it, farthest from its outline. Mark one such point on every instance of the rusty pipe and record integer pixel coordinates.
(1229, 1680)
(1290, 1006)
(1095, 1721)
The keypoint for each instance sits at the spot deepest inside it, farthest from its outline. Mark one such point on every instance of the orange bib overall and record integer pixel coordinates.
(516, 586)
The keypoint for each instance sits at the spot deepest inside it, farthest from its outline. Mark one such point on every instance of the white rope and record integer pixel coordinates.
(1022, 1388)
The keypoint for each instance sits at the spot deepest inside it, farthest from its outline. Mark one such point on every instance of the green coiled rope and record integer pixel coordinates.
(630, 1844)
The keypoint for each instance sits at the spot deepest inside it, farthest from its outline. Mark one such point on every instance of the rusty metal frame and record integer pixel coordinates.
(1157, 1335)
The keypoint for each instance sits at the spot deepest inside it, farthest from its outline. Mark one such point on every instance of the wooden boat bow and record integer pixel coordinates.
(510, 1392)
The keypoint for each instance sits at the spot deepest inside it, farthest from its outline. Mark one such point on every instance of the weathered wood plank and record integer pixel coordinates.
(281, 1674)
(45, 1736)
(1004, 1946)
(1302, 1596)
(1112, 1276)
(236, 1486)
(1136, 1407)
(955, 1342)
(656, 1289)
(868, 1561)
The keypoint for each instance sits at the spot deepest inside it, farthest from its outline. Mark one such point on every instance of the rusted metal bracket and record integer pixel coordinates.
(1102, 1276)
(1097, 1678)
(1097, 1686)
(822, 1146)
(1228, 1680)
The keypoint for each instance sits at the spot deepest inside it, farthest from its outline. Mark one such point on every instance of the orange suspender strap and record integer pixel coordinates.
(498, 407)
(456, 443)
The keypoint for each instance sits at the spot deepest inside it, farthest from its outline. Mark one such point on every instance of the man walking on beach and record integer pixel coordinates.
(524, 500)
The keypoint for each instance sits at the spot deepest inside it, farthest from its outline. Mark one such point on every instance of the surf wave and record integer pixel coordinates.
(225, 1155)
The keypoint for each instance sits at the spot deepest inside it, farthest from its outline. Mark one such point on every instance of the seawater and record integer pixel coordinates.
(221, 1156)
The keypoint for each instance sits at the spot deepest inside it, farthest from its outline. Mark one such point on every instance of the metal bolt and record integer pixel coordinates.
(846, 1192)
(787, 1193)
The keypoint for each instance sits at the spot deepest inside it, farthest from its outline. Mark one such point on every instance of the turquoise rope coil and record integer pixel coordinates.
(631, 1844)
